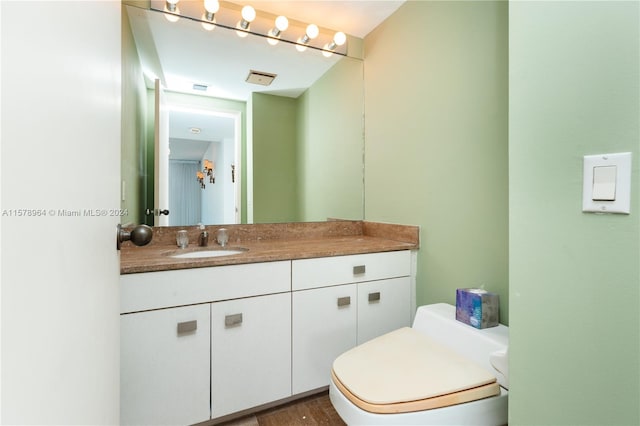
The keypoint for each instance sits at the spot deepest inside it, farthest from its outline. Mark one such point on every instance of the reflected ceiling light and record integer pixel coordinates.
(282, 23)
(248, 15)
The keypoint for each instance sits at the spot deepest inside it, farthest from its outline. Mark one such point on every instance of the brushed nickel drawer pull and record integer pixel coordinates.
(374, 297)
(187, 326)
(231, 320)
(360, 269)
(344, 301)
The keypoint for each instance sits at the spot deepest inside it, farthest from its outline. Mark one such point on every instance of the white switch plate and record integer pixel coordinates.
(622, 202)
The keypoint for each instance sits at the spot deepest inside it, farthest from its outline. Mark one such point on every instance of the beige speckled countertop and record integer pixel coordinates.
(269, 242)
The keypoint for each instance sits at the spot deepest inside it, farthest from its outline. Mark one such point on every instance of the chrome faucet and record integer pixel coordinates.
(203, 240)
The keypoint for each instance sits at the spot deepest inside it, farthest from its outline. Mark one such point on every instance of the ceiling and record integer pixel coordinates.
(183, 53)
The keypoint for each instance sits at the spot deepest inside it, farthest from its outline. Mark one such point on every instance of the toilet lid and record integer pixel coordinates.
(407, 371)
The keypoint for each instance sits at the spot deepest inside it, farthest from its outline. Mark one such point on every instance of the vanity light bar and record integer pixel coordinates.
(212, 13)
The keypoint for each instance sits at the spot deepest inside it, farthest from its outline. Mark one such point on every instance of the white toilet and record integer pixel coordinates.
(438, 372)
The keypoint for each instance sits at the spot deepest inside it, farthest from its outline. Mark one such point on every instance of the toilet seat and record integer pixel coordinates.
(406, 371)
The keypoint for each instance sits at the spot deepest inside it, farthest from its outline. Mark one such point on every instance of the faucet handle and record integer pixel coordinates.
(222, 237)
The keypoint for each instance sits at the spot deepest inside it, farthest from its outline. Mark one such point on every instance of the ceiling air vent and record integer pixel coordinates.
(259, 77)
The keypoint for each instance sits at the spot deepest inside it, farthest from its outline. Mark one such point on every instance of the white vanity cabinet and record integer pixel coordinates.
(250, 352)
(342, 301)
(203, 343)
(164, 364)
(177, 358)
(324, 326)
(383, 306)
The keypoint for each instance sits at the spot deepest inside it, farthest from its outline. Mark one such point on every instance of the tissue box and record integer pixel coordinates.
(476, 307)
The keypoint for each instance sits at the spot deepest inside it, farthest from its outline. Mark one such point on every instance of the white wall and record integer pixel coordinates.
(60, 82)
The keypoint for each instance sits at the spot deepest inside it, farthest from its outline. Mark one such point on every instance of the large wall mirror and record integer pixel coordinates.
(287, 151)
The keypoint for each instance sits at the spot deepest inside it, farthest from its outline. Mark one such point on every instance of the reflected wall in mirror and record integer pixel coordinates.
(298, 152)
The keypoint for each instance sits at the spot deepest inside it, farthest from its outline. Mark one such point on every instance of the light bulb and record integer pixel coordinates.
(282, 23)
(312, 31)
(340, 38)
(171, 5)
(211, 6)
(248, 13)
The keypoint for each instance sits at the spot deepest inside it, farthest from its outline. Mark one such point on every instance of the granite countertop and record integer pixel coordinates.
(268, 243)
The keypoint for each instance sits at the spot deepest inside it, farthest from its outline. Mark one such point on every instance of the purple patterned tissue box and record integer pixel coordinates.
(478, 308)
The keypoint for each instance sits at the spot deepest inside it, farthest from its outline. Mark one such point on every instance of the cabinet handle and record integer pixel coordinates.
(231, 320)
(360, 269)
(374, 297)
(344, 301)
(187, 326)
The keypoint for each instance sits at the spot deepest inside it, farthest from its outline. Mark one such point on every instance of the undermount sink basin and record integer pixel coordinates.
(207, 253)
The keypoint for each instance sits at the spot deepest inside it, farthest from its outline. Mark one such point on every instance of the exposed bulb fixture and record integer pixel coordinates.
(339, 39)
(211, 7)
(171, 6)
(206, 11)
(282, 23)
(248, 15)
(311, 33)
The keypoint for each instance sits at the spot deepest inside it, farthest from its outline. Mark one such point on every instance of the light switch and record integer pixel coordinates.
(604, 183)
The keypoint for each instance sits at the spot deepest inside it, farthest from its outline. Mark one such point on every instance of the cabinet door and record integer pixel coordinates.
(164, 366)
(250, 353)
(324, 326)
(383, 306)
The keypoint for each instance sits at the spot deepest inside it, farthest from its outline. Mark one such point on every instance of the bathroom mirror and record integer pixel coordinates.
(288, 152)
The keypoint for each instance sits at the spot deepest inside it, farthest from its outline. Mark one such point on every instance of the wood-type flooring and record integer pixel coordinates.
(311, 411)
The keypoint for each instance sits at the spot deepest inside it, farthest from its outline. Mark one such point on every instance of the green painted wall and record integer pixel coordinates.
(436, 140)
(134, 104)
(330, 145)
(574, 277)
(275, 191)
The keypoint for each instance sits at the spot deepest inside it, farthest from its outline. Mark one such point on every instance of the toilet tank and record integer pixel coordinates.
(486, 347)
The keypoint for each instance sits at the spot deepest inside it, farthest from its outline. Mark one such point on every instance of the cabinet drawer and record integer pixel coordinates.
(328, 271)
(155, 290)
